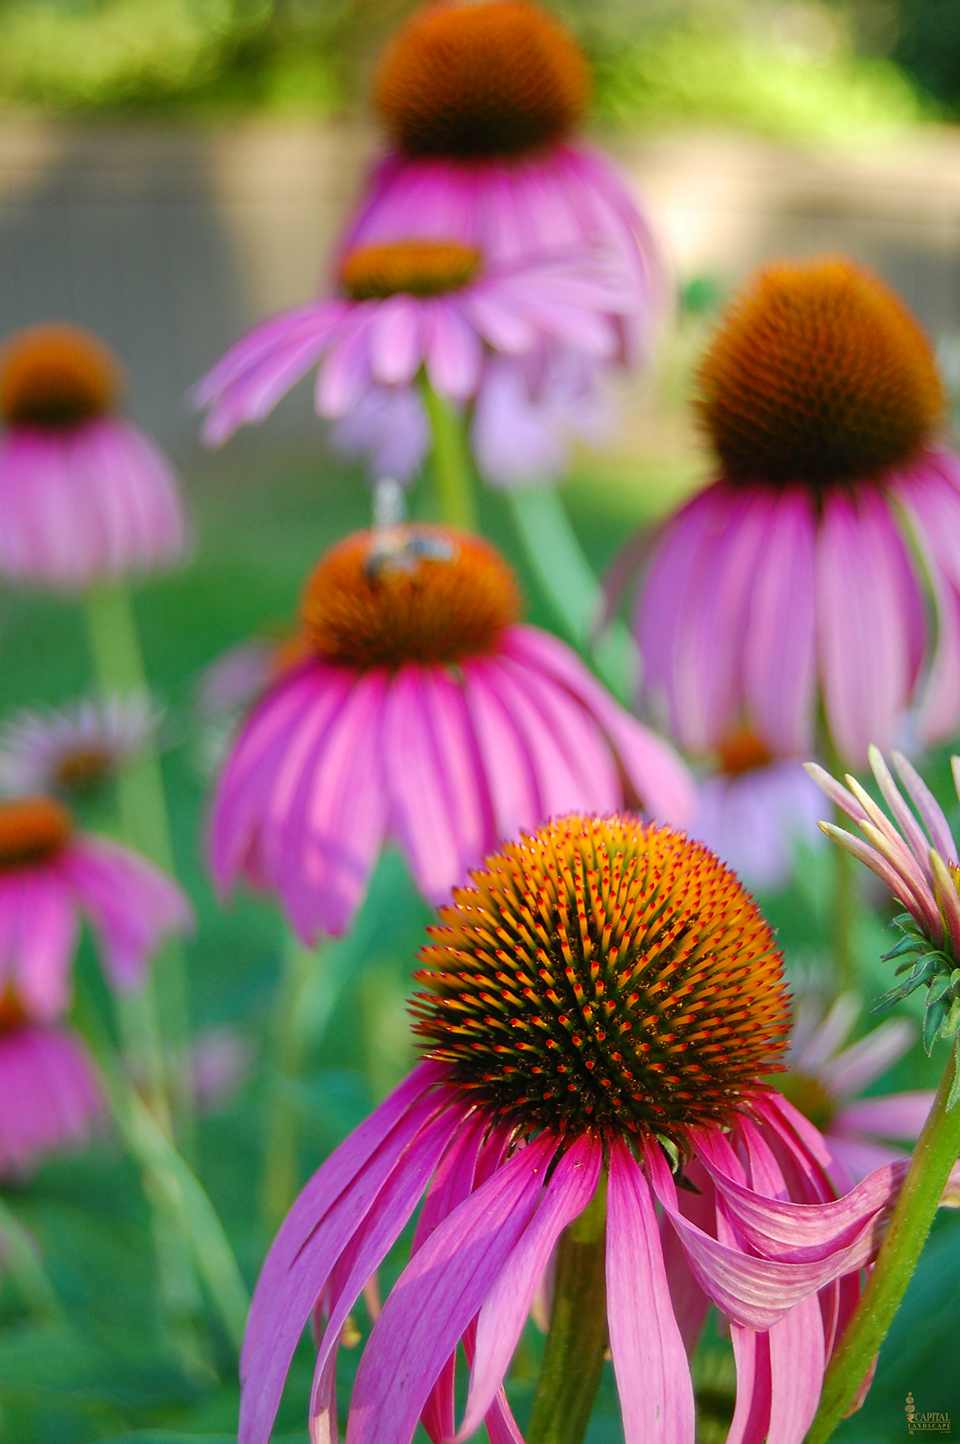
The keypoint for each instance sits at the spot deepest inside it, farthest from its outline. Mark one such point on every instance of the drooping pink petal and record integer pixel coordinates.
(649, 1358)
(453, 353)
(436, 1296)
(690, 1303)
(506, 1307)
(870, 622)
(849, 1072)
(42, 928)
(49, 1097)
(345, 370)
(779, 663)
(132, 906)
(508, 767)
(654, 770)
(751, 1416)
(831, 1033)
(898, 1115)
(396, 340)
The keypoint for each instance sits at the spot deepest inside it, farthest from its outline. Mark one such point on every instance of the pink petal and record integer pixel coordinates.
(649, 1358)
(690, 1303)
(863, 1062)
(751, 1418)
(508, 767)
(41, 914)
(897, 1115)
(345, 372)
(796, 1367)
(436, 1296)
(454, 355)
(506, 1307)
(396, 341)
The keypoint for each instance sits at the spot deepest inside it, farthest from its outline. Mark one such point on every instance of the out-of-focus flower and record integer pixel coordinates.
(797, 579)
(920, 866)
(50, 875)
(84, 496)
(480, 102)
(824, 1080)
(49, 1098)
(754, 810)
(240, 674)
(601, 999)
(410, 304)
(426, 713)
(221, 1060)
(74, 749)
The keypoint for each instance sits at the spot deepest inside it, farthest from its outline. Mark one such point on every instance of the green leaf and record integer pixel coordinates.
(933, 1021)
(952, 1023)
(937, 988)
(955, 1085)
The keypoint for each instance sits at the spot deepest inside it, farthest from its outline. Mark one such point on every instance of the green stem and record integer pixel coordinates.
(935, 1154)
(577, 1342)
(188, 1235)
(569, 583)
(156, 1023)
(281, 1157)
(844, 916)
(452, 466)
(20, 1260)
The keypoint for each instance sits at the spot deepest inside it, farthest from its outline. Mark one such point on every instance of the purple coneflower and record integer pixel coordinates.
(76, 748)
(824, 1080)
(597, 1010)
(84, 496)
(754, 810)
(409, 304)
(50, 875)
(797, 579)
(49, 1097)
(423, 712)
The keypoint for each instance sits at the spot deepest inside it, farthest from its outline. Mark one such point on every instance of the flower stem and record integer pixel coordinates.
(577, 1342)
(844, 916)
(935, 1154)
(160, 1015)
(571, 587)
(452, 467)
(281, 1158)
(22, 1262)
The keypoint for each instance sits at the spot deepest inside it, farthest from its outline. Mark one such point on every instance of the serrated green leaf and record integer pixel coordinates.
(937, 988)
(952, 1021)
(903, 948)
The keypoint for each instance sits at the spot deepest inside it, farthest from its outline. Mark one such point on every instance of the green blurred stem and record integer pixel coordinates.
(576, 1344)
(572, 589)
(281, 1147)
(452, 466)
(188, 1235)
(22, 1263)
(844, 915)
(156, 1022)
(935, 1154)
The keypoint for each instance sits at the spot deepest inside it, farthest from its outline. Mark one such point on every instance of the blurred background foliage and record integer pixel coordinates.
(795, 69)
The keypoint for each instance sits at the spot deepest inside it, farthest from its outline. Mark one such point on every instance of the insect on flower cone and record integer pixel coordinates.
(797, 579)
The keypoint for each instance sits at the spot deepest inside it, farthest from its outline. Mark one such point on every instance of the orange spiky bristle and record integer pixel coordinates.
(426, 594)
(32, 829)
(477, 80)
(418, 268)
(56, 377)
(819, 374)
(603, 973)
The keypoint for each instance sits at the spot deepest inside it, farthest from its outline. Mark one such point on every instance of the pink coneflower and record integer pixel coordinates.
(480, 102)
(797, 579)
(49, 1098)
(84, 496)
(76, 748)
(50, 876)
(409, 304)
(754, 810)
(596, 1010)
(824, 1081)
(424, 712)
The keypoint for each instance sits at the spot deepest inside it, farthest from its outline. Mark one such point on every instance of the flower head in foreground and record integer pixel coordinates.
(920, 866)
(754, 810)
(824, 1079)
(797, 578)
(408, 304)
(74, 750)
(426, 713)
(84, 496)
(601, 1001)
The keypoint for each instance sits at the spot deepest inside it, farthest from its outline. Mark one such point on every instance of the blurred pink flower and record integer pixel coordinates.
(825, 1078)
(409, 304)
(49, 1098)
(754, 810)
(797, 579)
(425, 713)
(221, 1060)
(84, 495)
(49, 877)
(503, 1168)
(74, 748)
